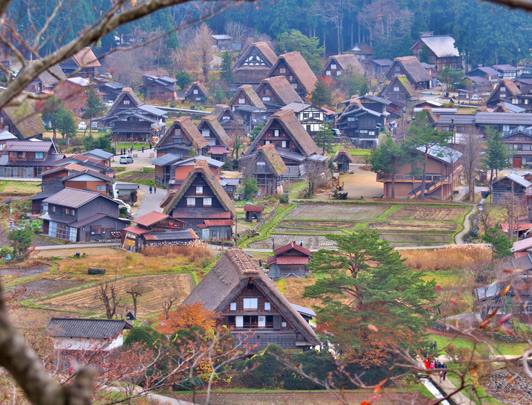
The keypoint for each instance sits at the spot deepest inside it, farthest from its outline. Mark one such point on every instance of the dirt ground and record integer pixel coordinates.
(427, 213)
(338, 212)
(46, 254)
(306, 397)
(156, 289)
(361, 184)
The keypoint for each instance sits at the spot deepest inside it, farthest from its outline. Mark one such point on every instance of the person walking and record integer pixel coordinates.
(441, 375)
(151, 189)
(260, 262)
(155, 189)
(301, 243)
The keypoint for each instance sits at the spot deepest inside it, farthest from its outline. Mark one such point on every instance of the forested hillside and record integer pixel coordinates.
(484, 32)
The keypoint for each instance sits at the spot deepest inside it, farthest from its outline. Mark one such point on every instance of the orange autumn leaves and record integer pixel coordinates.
(186, 317)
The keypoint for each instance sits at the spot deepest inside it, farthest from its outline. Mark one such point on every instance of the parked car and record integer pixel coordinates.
(124, 160)
(476, 97)
(82, 126)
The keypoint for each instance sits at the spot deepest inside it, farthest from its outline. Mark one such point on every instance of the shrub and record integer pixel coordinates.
(143, 334)
(6, 250)
(283, 199)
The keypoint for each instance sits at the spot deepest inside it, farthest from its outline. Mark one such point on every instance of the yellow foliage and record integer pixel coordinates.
(451, 257)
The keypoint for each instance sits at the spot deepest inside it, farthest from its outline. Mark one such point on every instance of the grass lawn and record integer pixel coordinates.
(460, 342)
(352, 150)
(17, 187)
(135, 145)
(297, 188)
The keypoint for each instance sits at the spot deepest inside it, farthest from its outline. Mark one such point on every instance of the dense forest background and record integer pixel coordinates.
(484, 32)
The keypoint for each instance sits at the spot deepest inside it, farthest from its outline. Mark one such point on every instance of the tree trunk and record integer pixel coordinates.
(393, 185)
(423, 182)
(90, 126)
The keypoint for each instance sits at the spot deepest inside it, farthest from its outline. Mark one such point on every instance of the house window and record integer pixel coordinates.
(397, 69)
(39, 155)
(506, 127)
(266, 92)
(178, 141)
(396, 88)
(267, 142)
(276, 132)
(178, 131)
(232, 307)
(350, 119)
(191, 202)
(328, 73)
(199, 189)
(52, 208)
(291, 78)
(515, 101)
(338, 73)
(294, 85)
(262, 321)
(526, 100)
(316, 115)
(239, 321)
(100, 187)
(266, 98)
(126, 102)
(333, 66)
(195, 91)
(251, 303)
(282, 70)
(503, 89)
(20, 155)
(207, 202)
(198, 98)
(267, 306)
(284, 144)
(283, 324)
(206, 133)
(241, 101)
(305, 116)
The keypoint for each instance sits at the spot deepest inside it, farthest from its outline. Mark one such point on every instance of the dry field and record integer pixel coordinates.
(417, 213)
(412, 226)
(157, 288)
(312, 242)
(336, 212)
(418, 237)
(38, 288)
(317, 224)
(308, 230)
(452, 257)
(98, 251)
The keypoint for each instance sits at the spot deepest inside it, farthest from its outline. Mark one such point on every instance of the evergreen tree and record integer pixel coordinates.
(183, 79)
(309, 48)
(227, 71)
(370, 299)
(325, 138)
(501, 245)
(21, 240)
(423, 135)
(218, 94)
(495, 158)
(385, 159)
(95, 108)
(250, 189)
(321, 95)
(254, 132)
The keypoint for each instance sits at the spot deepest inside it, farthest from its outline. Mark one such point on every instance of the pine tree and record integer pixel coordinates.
(370, 299)
(423, 135)
(321, 95)
(325, 138)
(95, 108)
(227, 71)
(496, 158)
(385, 160)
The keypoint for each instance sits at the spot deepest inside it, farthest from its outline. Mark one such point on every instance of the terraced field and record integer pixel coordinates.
(157, 288)
(401, 224)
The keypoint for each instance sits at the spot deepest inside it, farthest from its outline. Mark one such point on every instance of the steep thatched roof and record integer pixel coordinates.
(413, 68)
(215, 126)
(252, 96)
(25, 119)
(343, 153)
(200, 86)
(230, 275)
(399, 80)
(221, 109)
(271, 157)
(300, 68)
(52, 76)
(263, 48)
(201, 169)
(86, 58)
(281, 88)
(347, 61)
(189, 130)
(293, 127)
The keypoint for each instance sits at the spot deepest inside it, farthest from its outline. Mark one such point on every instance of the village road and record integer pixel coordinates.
(150, 202)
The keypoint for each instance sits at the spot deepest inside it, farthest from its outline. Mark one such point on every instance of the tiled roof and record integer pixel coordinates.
(150, 218)
(136, 230)
(180, 234)
(89, 172)
(218, 222)
(86, 328)
(443, 153)
(27, 146)
(198, 213)
(292, 245)
(253, 208)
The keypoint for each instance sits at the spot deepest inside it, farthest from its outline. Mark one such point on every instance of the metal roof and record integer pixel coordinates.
(99, 153)
(74, 198)
(516, 179)
(513, 108)
(518, 130)
(166, 159)
(192, 161)
(28, 146)
(376, 99)
(303, 310)
(151, 109)
(80, 81)
(86, 328)
(443, 153)
(442, 45)
(6, 136)
(489, 118)
(296, 106)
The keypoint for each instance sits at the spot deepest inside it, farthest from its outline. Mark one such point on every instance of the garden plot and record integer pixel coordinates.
(412, 226)
(157, 288)
(306, 231)
(336, 212)
(317, 224)
(22, 272)
(312, 242)
(36, 289)
(418, 213)
(418, 237)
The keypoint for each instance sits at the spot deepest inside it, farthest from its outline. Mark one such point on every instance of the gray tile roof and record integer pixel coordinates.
(516, 179)
(74, 198)
(166, 159)
(86, 328)
(28, 146)
(99, 153)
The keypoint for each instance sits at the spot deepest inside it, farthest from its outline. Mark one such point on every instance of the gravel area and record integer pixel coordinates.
(39, 288)
(517, 392)
(21, 272)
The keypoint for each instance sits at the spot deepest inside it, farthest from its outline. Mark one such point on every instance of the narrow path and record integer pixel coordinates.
(447, 386)
(150, 202)
(459, 238)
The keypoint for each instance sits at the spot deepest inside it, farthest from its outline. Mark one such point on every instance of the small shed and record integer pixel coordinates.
(253, 212)
(343, 158)
(289, 261)
(510, 184)
(126, 192)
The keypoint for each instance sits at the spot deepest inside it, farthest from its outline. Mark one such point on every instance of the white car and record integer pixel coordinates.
(82, 126)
